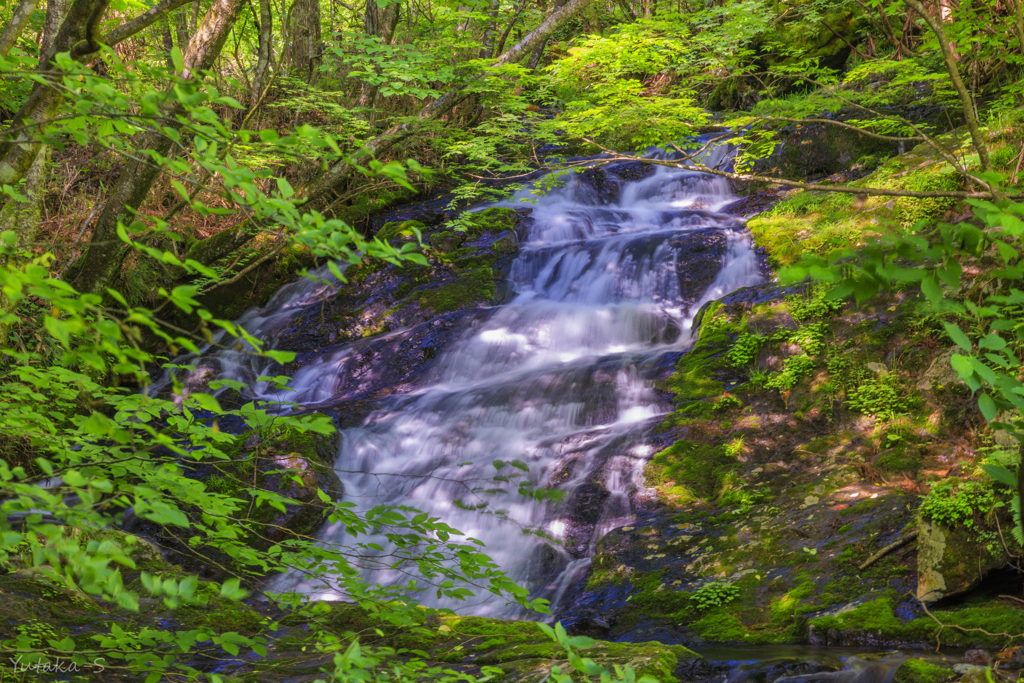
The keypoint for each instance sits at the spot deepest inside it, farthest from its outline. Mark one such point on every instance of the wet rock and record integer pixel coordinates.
(858, 672)
(878, 369)
(967, 668)
(585, 508)
(631, 171)
(977, 657)
(698, 259)
(400, 232)
(772, 671)
(597, 187)
(446, 241)
(506, 243)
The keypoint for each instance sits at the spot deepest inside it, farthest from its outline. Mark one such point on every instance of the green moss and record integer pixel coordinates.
(701, 468)
(919, 671)
(863, 506)
(719, 626)
(474, 286)
(396, 232)
(875, 616)
(495, 219)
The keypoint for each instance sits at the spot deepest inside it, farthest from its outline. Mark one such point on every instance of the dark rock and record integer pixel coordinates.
(631, 171)
(446, 241)
(977, 657)
(506, 243)
(816, 150)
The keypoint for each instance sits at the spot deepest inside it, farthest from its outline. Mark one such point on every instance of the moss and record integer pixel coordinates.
(223, 616)
(719, 626)
(875, 615)
(901, 459)
(919, 671)
(495, 219)
(397, 232)
(863, 506)
(471, 287)
(700, 468)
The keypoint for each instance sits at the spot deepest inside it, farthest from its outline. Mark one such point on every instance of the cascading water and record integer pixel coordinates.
(558, 379)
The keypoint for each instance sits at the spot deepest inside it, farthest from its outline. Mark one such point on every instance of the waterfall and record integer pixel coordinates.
(560, 379)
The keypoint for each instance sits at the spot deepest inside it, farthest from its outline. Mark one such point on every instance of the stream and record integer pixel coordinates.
(559, 379)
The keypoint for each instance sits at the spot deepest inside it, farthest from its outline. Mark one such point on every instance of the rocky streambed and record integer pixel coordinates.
(761, 483)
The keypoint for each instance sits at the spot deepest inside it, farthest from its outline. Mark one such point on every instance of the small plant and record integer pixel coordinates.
(714, 595)
(814, 303)
(795, 368)
(745, 349)
(956, 502)
(811, 338)
(880, 396)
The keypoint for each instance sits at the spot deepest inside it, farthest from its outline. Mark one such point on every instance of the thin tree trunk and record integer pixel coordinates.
(181, 29)
(538, 51)
(168, 39)
(966, 101)
(1018, 21)
(101, 263)
(508, 29)
(627, 10)
(259, 79)
(381, 24)
(302, 53)
(22, 13)
(487, 42)
(77, 34)
(24, 217)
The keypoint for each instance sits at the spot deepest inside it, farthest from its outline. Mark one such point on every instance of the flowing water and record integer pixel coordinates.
(558, 379)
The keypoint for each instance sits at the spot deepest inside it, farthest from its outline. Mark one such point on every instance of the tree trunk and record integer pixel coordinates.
(259, 79)
(381, 24)
(302, 52)
(78, 35)
(22, 13)
(101, 263)
(487, 42)
(181, 29)
(538, 52)
(23, 218)
(165, 34)
(508, 29)
(966, 101)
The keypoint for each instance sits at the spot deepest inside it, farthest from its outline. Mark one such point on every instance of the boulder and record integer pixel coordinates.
(951, 561)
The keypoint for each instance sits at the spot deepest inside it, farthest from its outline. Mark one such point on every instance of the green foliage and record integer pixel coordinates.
(958, 502)
(793, 370)
(815, 302)
(878, 396)
(745, 349)
(713, 595)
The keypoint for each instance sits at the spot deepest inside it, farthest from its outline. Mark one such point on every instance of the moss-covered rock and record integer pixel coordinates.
(494, 220)
(954, 560)
(400, 232)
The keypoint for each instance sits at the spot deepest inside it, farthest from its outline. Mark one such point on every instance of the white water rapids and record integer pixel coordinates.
(554, 379)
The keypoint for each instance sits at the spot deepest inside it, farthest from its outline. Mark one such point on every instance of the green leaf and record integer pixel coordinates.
(988, 407)
(177, 59)
(285, 188)
(958, 337)
(1000, 474)
(231, 590)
